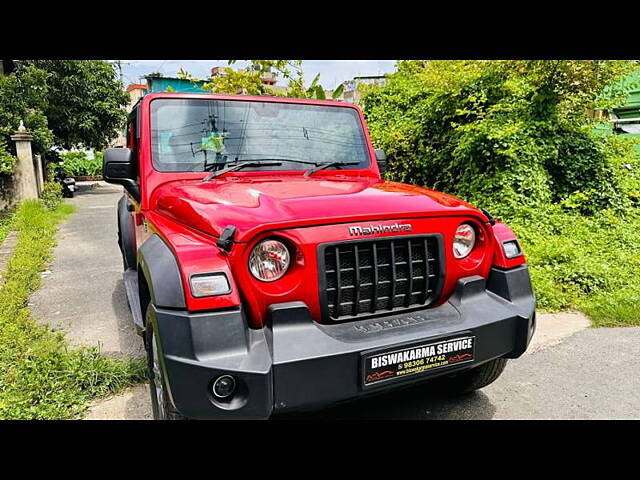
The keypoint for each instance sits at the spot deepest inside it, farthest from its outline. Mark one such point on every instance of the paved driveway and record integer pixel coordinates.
(84, 293)
(585, 375)
(594, 374)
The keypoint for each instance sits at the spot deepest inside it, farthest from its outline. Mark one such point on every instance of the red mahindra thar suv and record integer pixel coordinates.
(269, 267)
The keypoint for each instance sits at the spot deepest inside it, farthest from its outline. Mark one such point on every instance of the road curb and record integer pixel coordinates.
(553, 328)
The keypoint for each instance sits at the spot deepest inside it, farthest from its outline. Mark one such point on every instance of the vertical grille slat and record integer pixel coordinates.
(356, 270)
(407, 298)
(374, 299)
(392, 266)
(370, 277)
(426, 270)
(338, 282)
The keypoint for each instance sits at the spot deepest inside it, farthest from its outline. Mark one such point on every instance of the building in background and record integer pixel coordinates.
(158, 83)
(626, 118)
(136, 92)
(352, 88)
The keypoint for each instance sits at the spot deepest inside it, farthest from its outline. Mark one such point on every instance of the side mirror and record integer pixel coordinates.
(381, 158)
(118, 167)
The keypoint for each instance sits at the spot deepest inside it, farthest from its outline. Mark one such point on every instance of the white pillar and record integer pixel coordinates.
(39, 177)
(24, 178)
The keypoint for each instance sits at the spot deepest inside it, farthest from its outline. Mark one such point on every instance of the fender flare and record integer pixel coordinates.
(126, 234)
(159, 266)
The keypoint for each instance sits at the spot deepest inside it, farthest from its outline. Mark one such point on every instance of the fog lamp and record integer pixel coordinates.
(209, 285)
(224, 386)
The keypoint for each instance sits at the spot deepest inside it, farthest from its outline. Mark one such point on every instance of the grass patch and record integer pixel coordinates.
(6, 221)
(586, 263)
(40, 376)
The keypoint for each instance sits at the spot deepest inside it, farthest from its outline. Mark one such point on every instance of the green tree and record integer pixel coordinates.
(23, 97)
(248, 80)
(83, 100)
(502, 134)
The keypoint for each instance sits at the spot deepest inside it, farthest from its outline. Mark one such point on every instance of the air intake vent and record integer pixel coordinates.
(369, 277)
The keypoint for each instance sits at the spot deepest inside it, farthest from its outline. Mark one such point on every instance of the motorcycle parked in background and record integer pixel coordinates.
(68, 183)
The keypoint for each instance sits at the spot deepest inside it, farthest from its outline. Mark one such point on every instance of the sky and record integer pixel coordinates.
(332, 72)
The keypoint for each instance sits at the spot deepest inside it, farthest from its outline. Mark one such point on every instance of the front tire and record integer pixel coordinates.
(160, 403)
(471, 380)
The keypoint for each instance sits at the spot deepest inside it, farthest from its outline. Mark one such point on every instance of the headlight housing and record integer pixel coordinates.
(269, 260)
(464, 240)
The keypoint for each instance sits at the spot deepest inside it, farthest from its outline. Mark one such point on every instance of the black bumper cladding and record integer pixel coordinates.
(296, 363)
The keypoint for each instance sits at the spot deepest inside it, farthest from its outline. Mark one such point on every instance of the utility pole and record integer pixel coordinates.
(118, 64)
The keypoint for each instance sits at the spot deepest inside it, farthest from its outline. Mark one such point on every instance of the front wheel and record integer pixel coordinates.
(473, 379)
(160, 403)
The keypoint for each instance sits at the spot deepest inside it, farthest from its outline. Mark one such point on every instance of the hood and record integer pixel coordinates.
(254, 204)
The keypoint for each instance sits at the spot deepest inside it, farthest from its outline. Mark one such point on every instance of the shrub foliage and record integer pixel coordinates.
(77, 164)
(519, 138)
(501, 134)
(51, 195)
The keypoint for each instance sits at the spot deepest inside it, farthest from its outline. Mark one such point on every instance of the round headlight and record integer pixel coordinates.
(269, 260)
(464, 240)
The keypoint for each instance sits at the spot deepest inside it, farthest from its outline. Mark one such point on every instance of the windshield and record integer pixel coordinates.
(205, 135)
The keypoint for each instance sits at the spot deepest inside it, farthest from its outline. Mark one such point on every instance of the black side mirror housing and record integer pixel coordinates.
(118, 167)
(381, 158)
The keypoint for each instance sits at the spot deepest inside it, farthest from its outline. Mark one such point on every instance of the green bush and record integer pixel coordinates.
(77, 164)
(7, 161)
(51, 195)
(40, 376)
(515, 137)
(501, 134)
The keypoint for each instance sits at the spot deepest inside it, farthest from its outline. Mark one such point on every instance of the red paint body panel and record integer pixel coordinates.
(302, 211)
(301, 282)
(275, 202)
(503, 234)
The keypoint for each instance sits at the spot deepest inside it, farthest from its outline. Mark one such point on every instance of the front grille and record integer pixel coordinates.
(369, 277)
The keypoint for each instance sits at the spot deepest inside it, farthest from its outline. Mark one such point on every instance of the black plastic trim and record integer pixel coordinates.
(127, 233)
(162, 273)
(198, 348)
(296, 363)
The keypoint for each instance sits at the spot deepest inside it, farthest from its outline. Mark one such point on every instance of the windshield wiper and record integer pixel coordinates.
(240, 166)
(292, 160)
(322, 166)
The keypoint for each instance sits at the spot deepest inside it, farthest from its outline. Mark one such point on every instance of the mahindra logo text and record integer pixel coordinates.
(373, 229)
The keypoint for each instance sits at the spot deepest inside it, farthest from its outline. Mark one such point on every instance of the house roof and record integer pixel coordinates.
(136, 86)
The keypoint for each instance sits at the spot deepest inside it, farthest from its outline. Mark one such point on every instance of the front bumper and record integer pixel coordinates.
(296, 363)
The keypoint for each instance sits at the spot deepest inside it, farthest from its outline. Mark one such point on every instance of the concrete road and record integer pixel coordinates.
(569, 373)
(83, 293)
(594, 374)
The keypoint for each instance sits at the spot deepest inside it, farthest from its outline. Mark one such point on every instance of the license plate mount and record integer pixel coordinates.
(418, 358)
